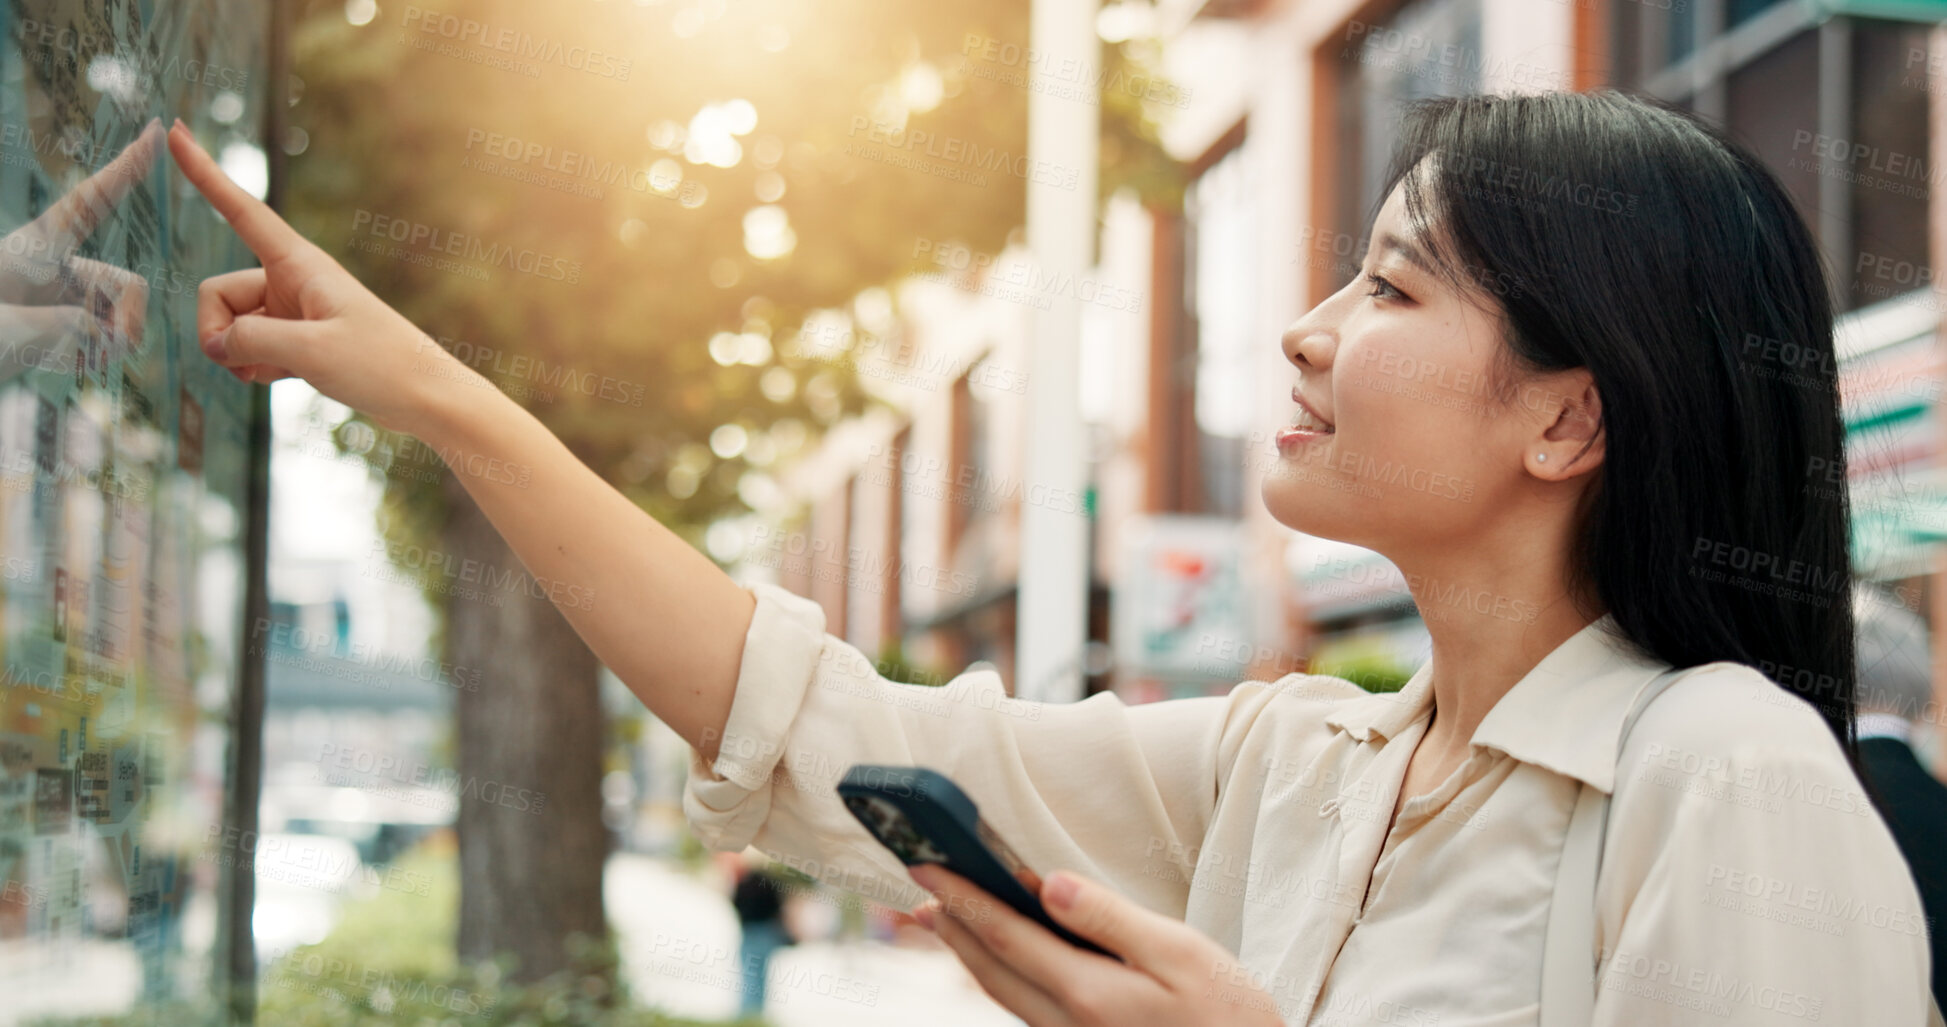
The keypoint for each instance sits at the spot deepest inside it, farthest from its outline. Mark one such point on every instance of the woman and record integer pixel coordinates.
(1580, 393)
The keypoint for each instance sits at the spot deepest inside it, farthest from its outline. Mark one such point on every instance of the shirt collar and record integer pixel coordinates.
(1566, 714)
(1387, 713)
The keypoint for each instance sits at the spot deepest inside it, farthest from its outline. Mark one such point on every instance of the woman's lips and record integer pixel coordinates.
(1291, 437)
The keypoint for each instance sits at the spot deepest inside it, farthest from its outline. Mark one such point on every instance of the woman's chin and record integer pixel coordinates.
(1303, 506)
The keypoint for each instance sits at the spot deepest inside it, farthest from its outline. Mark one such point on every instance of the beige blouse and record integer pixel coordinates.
(1746, 879)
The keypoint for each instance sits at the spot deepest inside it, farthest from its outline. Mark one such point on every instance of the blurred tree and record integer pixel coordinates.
(678, 185)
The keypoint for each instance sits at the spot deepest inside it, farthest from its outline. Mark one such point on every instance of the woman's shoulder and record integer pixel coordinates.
(1726, 706)
(1727, 732)
(1737, 818)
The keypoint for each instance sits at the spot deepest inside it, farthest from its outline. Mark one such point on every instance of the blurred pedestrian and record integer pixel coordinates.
(1896, 694)
(758, 896)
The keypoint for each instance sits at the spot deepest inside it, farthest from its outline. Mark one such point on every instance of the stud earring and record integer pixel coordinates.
(1541, 458)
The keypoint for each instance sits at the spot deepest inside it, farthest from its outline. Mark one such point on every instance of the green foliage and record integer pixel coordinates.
(691, 854)
(166, 1014)
(1132, 155)
(404, 932)
(394, 129)
(893, 666)
(391, 961)
(1373, 670)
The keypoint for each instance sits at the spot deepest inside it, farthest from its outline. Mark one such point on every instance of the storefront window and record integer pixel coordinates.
(1769, 103)
(1223, 259)
(1887, 215)
(1385, 66)
(1837, 110)
(1680, 33)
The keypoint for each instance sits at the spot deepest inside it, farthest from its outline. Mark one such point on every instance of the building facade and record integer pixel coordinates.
(907, 523)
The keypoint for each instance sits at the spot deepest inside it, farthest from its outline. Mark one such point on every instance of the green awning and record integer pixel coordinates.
(1896, 10)
(1884, 415)
(1894, 532)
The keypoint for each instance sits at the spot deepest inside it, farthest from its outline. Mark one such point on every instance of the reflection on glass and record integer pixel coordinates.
(123, 465)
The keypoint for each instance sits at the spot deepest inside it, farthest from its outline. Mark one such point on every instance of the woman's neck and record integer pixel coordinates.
(1490, 626)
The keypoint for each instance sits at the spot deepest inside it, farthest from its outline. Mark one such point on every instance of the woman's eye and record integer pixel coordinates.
(1382, 287)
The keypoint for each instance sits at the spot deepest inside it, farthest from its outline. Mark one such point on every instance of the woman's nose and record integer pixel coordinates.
(1309, 343)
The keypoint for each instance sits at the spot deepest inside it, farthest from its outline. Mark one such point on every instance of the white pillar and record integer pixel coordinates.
(1063, 132)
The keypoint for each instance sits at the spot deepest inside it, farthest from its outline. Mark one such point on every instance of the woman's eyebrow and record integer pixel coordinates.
(1389, 241)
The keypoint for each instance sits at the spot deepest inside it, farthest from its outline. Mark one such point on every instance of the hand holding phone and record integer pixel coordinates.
(923, 817)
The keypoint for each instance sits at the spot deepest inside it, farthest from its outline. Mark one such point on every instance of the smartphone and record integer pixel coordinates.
(923, 817)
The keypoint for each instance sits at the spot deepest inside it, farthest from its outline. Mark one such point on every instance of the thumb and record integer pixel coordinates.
(258, 339)
(1147, 940)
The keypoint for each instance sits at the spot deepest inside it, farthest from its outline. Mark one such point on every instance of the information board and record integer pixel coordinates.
(124, 464)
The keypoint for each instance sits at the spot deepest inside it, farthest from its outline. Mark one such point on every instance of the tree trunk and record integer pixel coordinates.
(530, 729)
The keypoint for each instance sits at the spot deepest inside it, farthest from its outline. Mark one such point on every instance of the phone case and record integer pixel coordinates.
(923, 817)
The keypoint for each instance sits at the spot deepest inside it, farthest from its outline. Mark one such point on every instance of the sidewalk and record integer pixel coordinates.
(679, 953)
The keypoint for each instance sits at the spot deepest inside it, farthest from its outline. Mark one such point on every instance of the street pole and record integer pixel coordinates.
(1063, 136)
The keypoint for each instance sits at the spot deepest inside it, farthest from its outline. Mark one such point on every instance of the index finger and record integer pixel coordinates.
(255, 223)
(73, 217)
(1029, 949)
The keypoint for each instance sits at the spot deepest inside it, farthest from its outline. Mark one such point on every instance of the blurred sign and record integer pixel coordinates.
(1179, 607)
(1334, 580)
(1890, 384)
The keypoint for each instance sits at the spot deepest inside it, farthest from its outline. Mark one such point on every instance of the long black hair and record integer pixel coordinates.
(1630, 238)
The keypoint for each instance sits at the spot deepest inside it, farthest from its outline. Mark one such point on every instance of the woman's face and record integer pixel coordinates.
(1420, 454)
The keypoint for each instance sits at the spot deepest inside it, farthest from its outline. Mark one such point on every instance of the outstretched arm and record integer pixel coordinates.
(658, 613)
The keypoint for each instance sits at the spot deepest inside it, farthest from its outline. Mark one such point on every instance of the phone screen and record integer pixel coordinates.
(889, 823)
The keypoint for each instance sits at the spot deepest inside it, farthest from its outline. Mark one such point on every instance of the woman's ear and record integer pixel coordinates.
(1571, 439)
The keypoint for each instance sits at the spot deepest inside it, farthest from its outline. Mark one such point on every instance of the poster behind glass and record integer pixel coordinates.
(123, 468)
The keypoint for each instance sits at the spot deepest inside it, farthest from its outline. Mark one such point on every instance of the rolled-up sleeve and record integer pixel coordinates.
(1119, 793)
